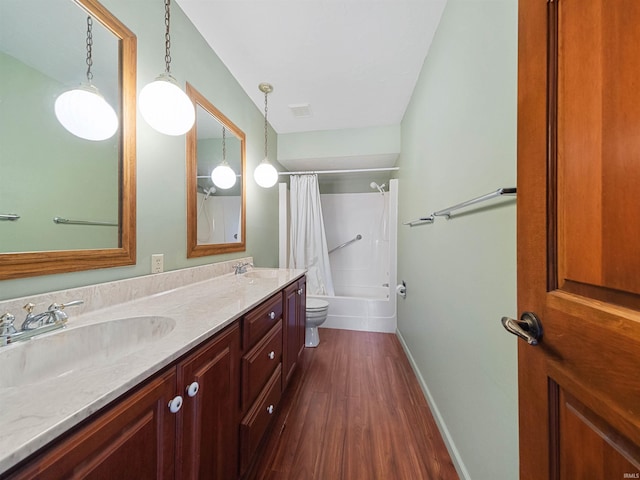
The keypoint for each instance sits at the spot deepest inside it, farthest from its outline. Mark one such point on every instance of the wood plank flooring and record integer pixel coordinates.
(357, 412)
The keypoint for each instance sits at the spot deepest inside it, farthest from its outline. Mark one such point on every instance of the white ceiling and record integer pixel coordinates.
(355, 62)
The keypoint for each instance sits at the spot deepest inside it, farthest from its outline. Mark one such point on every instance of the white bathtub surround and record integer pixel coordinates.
(308, 243)
(197, 302)
(364, 272)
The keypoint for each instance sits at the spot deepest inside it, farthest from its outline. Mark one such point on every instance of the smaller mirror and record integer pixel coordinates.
(215, 216)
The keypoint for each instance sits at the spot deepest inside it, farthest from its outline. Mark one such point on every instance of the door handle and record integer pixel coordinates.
(528, 327)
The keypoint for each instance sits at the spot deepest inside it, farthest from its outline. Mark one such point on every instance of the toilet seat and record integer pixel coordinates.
(316, 305)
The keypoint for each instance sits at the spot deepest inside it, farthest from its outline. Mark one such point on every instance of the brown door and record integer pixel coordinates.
(579, 238)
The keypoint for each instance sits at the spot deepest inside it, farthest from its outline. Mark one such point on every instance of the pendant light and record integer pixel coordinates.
(265, 174)
(83, 111)
(163, 104)
(223, 175)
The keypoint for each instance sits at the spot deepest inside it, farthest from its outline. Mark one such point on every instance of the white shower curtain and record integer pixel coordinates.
(307, 240)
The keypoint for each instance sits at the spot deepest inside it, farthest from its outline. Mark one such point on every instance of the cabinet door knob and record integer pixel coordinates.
(272, 315)
(175, 404)
(192, 389)
(272, 355)
(299, 291)
(270, 409)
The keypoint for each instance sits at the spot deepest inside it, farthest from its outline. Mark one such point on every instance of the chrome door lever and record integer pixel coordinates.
(528, 327)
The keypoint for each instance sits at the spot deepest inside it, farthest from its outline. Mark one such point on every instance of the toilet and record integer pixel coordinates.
(316, 315)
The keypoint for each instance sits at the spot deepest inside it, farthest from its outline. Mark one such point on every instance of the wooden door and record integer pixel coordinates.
(132, 440)
(209, 423)
(579, 238)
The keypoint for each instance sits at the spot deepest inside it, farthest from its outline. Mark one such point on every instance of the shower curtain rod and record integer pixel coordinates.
(355, 170)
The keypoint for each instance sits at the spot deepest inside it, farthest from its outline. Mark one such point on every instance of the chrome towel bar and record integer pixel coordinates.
(446, 212)
(9, 216)
(64, 221)
(357, 237)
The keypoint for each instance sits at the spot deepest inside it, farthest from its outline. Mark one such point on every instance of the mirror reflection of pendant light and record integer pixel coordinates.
(83, 111)
(163, 104)
(265, 174)
(223, 175)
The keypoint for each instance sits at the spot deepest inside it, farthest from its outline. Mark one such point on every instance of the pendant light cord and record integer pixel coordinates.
(265, 124)
(89, 47)
(167, 36)
(224, 145)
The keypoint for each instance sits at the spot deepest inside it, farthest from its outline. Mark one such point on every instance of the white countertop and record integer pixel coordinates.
(33, 415)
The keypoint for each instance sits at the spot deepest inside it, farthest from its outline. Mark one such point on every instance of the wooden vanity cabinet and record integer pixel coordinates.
(230, 389)
(134, 439)
(295, 304)
(139, 438)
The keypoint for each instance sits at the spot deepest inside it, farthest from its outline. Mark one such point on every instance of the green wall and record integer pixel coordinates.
(459, 142)
(339, 143)
(161, 180)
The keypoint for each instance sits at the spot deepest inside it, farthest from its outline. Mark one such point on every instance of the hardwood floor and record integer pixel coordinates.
(357, 413)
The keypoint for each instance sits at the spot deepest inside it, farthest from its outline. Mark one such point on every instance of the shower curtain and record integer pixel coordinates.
(307, 239)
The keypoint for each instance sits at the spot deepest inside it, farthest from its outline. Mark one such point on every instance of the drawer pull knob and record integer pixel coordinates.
(272, 355)
(192, 389)
(272, 315)
(270, 409)
(175, 404)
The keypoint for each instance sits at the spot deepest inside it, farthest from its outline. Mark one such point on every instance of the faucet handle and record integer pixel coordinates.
(56, 311)
(62, 306)
(6, 324)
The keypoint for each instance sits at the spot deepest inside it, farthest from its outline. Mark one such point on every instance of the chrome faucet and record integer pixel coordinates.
(34, 324)
(241, 267)
(53, 315)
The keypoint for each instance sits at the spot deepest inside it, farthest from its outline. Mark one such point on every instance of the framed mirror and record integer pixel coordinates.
(216, 218)
(67, 203)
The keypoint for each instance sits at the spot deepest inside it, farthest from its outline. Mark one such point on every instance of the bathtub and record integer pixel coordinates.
(370, 309)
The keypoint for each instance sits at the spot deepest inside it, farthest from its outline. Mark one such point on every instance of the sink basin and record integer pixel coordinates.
(64, 351)
(266, 273)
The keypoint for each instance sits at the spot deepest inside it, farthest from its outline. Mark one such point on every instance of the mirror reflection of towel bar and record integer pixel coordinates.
(64, 221)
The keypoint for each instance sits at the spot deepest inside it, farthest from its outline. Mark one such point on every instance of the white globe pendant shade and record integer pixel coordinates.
(86, 114)
(166, 107)
(265, 174)
(223, 176)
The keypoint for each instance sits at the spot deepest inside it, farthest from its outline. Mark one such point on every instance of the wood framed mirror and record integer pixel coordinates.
(75, 199)
(216, 216)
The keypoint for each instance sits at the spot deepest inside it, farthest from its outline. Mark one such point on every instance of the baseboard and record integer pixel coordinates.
(444, 431)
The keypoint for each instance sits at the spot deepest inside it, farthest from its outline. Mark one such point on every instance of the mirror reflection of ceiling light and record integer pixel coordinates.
(223, 175)
(83, 111)
(163, 104)
(265, 174)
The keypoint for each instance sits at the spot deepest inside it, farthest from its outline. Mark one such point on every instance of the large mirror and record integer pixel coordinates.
(67, 203)
(215, 214)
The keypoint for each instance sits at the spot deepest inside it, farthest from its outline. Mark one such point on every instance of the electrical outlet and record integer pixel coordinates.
(157, 263)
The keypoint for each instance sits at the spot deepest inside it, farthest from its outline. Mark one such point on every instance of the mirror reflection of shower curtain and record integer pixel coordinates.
(308, 242)
(206, 222)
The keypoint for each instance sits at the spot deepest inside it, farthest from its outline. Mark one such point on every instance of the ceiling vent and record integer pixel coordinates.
(300, 110)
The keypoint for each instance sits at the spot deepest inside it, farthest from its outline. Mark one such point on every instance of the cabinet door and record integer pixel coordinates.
(291, 335)
(302, 313)
(207, 440)
(132, 440)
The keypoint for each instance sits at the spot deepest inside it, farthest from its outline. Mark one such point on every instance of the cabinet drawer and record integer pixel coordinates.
(260, 320)
(259, 364)
(255, 423)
